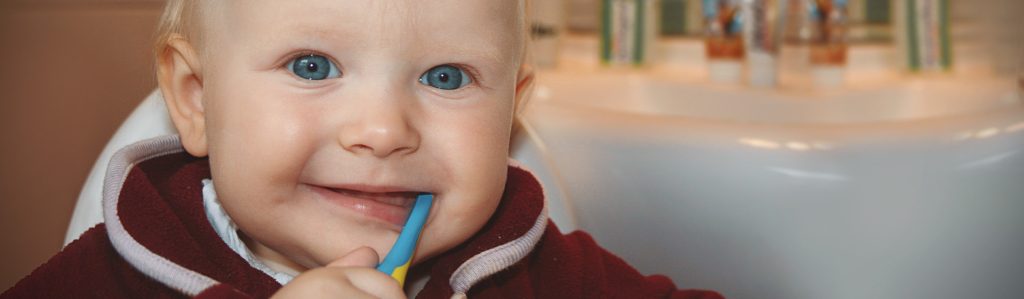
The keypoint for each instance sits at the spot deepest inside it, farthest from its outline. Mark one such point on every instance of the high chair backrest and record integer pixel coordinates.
(150, 119)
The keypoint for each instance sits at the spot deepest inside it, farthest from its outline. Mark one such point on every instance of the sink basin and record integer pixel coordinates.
(905, 189)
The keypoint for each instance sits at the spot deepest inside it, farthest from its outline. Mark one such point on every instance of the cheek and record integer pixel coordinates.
(247, 128)
(474, 147)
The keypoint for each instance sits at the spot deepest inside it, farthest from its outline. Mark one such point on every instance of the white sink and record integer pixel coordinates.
(911, 189)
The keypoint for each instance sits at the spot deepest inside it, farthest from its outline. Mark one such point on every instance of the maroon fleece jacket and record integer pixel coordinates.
(160, 206)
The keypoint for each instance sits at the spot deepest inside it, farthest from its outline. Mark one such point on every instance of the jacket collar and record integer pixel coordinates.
(153, 212)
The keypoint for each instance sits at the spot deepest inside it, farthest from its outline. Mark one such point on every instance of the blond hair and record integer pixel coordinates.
(178, 19)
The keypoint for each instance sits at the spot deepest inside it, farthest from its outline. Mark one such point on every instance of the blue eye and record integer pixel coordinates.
(445, 77)
(314, 67)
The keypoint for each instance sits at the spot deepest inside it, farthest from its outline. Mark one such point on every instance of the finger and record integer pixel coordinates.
(375, 283)
(360, 257)
(363, 275)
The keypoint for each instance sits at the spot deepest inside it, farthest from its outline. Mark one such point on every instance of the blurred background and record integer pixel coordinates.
(72, 71)
(761, 148)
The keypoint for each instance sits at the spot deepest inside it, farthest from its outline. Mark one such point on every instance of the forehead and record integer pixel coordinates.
(390, 23)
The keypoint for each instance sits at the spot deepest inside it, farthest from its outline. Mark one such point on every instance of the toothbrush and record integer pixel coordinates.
(396, 263)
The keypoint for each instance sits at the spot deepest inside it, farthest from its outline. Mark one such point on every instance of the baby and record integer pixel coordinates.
(306, 128)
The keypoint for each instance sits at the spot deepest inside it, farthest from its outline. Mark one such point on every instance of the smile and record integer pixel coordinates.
(391, 207)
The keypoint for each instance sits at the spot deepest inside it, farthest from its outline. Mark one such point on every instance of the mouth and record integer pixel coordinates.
(389, 205)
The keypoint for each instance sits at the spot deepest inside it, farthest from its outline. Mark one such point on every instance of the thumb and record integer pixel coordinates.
(360, 257)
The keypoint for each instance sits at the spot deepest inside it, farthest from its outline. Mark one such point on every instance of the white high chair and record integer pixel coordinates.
(150, 119)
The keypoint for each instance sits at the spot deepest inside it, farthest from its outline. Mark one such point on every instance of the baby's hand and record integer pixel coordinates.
(352, 276)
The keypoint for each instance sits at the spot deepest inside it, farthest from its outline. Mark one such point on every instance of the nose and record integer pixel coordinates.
(383, 129)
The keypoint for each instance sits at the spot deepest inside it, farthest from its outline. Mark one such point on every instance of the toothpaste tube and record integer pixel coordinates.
(923, 30)
(762, 32)
(627, 31)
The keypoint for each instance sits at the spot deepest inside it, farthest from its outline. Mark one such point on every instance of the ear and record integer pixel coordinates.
(181, 83)
(524, 87)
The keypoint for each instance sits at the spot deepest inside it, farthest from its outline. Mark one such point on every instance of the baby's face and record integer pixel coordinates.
(325, 118)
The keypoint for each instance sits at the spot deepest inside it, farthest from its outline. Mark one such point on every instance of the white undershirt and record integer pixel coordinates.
(228, 231)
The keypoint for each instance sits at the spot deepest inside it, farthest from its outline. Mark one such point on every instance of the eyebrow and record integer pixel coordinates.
(321, 32)
(487, 52)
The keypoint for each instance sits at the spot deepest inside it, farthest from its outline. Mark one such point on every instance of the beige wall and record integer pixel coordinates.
(70, 71)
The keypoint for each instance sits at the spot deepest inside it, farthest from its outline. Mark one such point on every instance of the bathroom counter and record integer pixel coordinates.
(906, 188)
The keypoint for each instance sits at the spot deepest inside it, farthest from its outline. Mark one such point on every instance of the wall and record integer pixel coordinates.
(70, 72)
